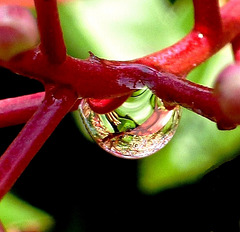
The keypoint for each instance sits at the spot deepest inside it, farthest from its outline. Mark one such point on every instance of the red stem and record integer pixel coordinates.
(207, 17)
(52, 42)
(16, 158)
(18, 110)
(236, 48)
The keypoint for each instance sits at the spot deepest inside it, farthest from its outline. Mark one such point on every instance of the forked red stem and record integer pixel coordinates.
(33, 135)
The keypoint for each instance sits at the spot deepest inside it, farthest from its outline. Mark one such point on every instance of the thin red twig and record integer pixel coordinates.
(52, 43)
(18, 110)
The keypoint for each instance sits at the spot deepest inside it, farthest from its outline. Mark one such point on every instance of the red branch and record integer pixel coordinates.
(33, 135)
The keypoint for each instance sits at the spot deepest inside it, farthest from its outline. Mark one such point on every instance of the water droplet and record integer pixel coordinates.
(138, 128)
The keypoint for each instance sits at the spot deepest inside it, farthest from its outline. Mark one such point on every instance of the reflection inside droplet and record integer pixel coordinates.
(138, 128)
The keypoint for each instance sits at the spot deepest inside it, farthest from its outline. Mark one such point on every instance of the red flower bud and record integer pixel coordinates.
(227, 90)
(18, 31)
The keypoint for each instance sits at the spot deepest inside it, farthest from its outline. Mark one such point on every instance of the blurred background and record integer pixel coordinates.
(190, 185)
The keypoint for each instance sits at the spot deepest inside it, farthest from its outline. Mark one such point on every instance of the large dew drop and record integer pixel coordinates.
(138, 128)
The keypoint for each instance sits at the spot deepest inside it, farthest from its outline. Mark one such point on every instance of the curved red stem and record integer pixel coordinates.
(52, 43)
(199, 44)
(197, 98)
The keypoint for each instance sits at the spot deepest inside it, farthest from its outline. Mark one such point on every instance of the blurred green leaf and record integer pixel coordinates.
(74, 32)
(19, 215)
(198, 145)
(124, 29)
(196, 148)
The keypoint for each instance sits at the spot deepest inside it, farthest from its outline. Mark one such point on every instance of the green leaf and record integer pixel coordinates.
(19, 215)
(77, 43)
(124, 29)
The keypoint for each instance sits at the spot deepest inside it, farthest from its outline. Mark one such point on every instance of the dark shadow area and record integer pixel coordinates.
(88, 190)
